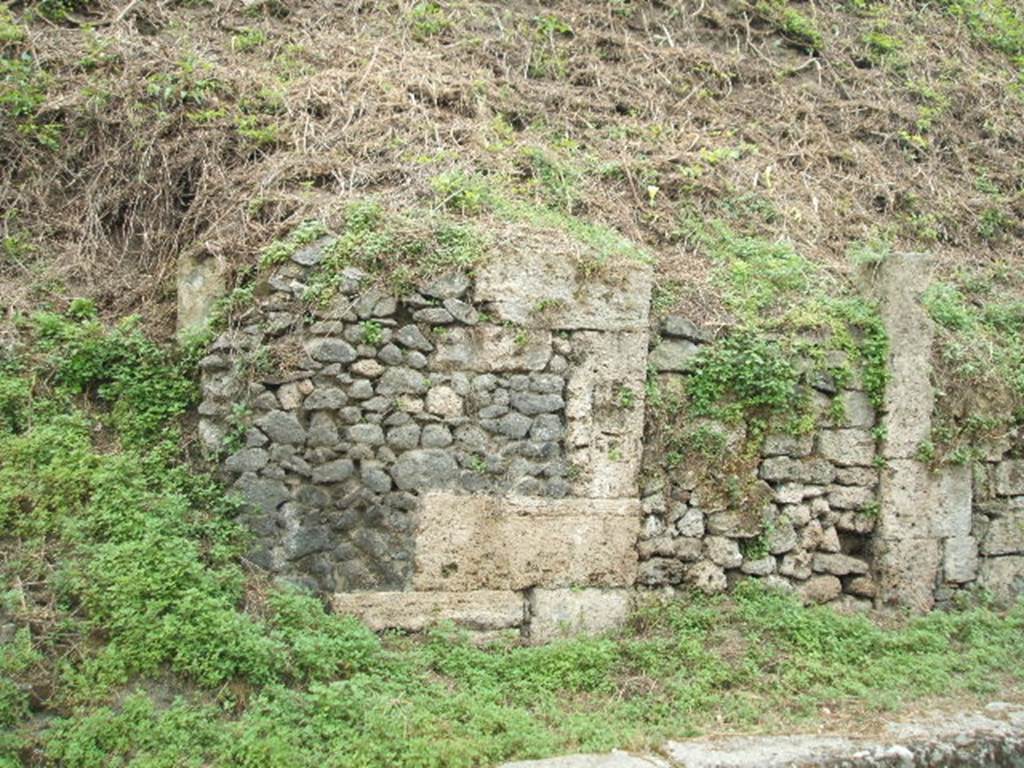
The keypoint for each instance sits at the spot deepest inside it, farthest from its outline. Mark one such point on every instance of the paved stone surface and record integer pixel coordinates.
(993, 738)
(611, 760)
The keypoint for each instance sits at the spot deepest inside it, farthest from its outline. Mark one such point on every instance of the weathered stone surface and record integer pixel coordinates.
(960, 559)
(659, 571)
(917, 502)
(691, 523)
(784, 444)
(820, 589)
(723, 551)
(369, 434)
(856, 522)
(201, 282)
(838, 564)
(1005, 534)
(847, 447)
(676, 325)
(246, 460)
(679, 547)
(1010, 478)
(479, 542)
(490, 348)
(760, 567)
(533, 404)
(402, 381)
(518, 283)
(1002, 576)
(862, 586)
(604, 437)
(857, 408)
(443, 401)
(707, 577)
(908, 570)
(282, 427)
(558, 613)
(786, 469)
(411, 337)
(336, 471)
(850, 497)
(436, 436)
(328, 350)
(673, 355)
(416, 611)
(424, 468)
(781, 538)
(737, 523)
(262, 494)
(404, 438)
(796, 565)
(902, 280)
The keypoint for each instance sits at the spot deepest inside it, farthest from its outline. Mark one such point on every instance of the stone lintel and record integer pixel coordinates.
(487, 542)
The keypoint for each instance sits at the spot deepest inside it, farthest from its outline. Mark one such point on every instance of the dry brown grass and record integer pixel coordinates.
(368, 104)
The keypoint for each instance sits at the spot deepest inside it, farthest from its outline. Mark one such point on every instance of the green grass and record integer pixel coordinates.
(980, 342)
(120, 570)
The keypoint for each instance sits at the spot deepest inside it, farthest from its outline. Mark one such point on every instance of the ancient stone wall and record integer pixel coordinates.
(797, 514)
(457, 452)
(480, 450)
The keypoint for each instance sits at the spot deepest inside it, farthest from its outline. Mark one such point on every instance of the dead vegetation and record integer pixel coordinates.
(210, 128)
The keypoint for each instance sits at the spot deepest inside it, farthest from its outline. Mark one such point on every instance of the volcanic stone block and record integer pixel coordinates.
(518, 283)
(1010, 478)
(415, 611)
(918, 502)
(847, 447)
(1005, 534)
(558, 613)
(492, 348)
(902, 280)
(483, 542)
(1002, 576)
(605, 412)
(960, 559)
(908, 570)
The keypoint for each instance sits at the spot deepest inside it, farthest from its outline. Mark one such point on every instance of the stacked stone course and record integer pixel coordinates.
(805, 514)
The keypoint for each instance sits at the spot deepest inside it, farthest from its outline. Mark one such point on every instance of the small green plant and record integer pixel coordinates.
(400, 249)
(428, 20)
(626, 397)
(869, 252)
(925, 452)
(461, 192)
(191, 83)
(10, 30)
(371, 332)
(792, 24)
(248, 39)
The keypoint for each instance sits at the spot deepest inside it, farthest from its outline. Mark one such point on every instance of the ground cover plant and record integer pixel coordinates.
(134, 636)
